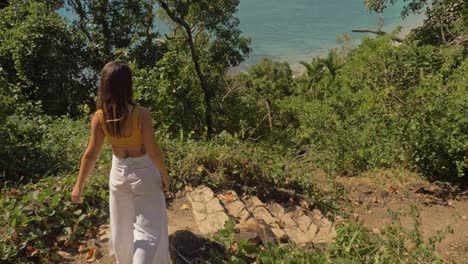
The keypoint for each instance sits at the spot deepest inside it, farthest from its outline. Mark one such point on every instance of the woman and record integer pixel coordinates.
(138, 176)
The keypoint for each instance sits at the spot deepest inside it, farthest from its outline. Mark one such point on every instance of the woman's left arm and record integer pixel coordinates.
(96, 141)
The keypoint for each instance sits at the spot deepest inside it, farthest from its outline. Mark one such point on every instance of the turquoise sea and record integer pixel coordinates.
(296, 30)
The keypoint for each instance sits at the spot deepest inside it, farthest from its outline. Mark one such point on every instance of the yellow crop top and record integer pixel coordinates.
(133, 140)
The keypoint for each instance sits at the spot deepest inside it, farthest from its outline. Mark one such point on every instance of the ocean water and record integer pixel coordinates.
(296, 30)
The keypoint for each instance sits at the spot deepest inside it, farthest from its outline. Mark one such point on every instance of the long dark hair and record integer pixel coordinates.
(115, 93)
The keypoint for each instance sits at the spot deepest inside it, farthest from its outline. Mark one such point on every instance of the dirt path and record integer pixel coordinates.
(179, 217)
(200, 212)
(439, 207)
(372, 198)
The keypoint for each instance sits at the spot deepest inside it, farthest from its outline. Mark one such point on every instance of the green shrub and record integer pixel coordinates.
(34, 146)
(41, 217)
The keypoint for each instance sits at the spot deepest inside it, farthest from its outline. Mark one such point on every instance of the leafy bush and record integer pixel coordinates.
(39, 219)
(387, 106)
(34, 146)
(41, 54)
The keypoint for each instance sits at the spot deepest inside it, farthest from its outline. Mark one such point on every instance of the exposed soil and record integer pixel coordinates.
(440, 206)
(179, 217)
(372, 196)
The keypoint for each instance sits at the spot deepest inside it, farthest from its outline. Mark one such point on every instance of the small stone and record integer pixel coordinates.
(247, 236)
(237, 210)
(199, 207)
(212, 223)
(201, 194)
(262, 214)
(288, 221)
(279, 233)
(258, 227)
(213, 206)
(317, 214)
(295, 234)
(253, 201)
(465, 217)
(311, 233)
(207, 210)
(303, 222)
(276, 210)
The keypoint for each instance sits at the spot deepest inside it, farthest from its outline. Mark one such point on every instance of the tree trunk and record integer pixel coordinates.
(377, 32)
(201, 77)
(268, 105)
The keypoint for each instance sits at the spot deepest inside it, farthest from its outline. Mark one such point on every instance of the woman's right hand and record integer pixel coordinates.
(165, 182)
(76, 194)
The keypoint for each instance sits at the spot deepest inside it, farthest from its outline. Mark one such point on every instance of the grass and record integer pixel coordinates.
(39, 219)
(354, 244)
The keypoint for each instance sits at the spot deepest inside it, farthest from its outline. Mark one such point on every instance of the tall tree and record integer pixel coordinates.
(41, 56)
(113, 27)
(212, 25)
(446, 20)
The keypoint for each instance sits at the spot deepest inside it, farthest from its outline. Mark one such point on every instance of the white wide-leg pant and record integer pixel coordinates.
(137, 212)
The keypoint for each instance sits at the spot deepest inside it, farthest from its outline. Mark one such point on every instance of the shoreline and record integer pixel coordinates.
(407, 25)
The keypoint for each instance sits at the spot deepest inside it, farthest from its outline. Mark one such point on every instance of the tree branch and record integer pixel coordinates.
(195, 59)
(378, 31)
(83, 20)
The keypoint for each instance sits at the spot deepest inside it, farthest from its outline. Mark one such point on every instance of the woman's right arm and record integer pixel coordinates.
(152, 148)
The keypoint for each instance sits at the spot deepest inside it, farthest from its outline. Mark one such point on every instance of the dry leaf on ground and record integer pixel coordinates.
(234, 247)
(83, 249)
(31, 251)
(92, 254)
(188, 188)
(13, 192)
(228, 197)
(63, 254)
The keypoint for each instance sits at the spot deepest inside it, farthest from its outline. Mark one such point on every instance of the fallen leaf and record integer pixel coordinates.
(92, 253)
(391, 189)
(200, 168)
(31, 251)
(234, 248)
(228, 196)
(13, 192)
(188, 188)
(83, 249)
(63, 254)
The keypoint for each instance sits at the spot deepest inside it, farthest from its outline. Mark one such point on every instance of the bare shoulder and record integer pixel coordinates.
(144, 110)
(96, 121)
(145, 116)
(95, 118)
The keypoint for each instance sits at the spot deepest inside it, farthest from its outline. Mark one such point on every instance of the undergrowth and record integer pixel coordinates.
(354, 244)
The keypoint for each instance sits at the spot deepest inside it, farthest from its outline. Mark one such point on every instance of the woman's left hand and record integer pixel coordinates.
(76, 194)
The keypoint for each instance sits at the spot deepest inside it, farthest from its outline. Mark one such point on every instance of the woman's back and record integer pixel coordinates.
(131, 143)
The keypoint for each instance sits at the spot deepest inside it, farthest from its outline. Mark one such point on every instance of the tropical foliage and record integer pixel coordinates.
(375, 106)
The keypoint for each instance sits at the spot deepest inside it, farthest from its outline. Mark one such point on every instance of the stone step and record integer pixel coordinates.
(257, 220)
(208, 212)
